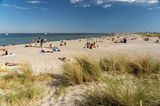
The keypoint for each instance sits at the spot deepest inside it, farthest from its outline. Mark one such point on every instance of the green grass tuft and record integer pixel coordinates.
(20, 87)
(82, 70)
(121, 64)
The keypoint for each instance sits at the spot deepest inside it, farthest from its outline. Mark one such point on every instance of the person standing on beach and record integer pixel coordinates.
(38, 41)
(41, 43)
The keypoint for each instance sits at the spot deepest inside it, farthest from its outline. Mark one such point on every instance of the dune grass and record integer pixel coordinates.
(125, 92)
(82, 70)
(21, 97)
(126, 81)
(20, 86)
(138, 66)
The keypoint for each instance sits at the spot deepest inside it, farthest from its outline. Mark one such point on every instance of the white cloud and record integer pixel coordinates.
(108, 3)
(76, 1)
(107, 6)
(99, 1)
(135, 1)
(14, 6)
(35, 2)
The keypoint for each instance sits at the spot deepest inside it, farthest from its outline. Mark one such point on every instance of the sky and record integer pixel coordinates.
(70, 16)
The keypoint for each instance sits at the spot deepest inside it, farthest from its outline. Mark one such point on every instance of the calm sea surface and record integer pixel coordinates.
(22, 38)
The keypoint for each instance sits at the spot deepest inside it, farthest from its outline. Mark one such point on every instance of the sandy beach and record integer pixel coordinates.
(49, 62)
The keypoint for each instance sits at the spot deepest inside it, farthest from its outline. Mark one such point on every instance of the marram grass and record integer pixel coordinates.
(124, 92)
(138, 66)
(126, 81)
(82, 70)
(20, 87)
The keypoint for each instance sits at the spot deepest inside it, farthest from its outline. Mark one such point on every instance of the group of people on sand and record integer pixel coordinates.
(91, 45)
(123, 39)
(39, 42)
(45, 49)
(53, 48)
(119, 40)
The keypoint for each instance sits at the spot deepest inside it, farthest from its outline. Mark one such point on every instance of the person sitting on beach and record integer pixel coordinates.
(5, 53)
(55, 49)
(93, 45)
(146, 39)
(51, 46)
(63, 43)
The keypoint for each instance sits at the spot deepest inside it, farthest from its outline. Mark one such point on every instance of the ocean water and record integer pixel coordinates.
(22, 38)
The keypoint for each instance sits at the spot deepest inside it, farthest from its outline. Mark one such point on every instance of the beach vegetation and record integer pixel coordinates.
(82, 69)
(19, 87)
(124, 91)
(120, 80)
(137, 66)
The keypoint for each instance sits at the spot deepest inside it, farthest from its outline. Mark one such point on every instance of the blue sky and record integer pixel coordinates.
(79, 16)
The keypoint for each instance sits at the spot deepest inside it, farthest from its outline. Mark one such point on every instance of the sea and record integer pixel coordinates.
(23, 38)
